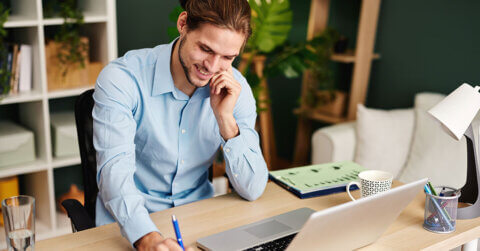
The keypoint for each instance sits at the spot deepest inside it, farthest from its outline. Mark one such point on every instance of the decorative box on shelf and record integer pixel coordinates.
(17, 144)
(64, 134)
(69, 75)
(94, 68)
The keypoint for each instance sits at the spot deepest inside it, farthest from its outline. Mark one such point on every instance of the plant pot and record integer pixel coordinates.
(331, 103)
(61, 75)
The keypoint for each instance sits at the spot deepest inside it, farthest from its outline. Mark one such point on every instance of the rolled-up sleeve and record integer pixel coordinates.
(114, 129)
(245, 165)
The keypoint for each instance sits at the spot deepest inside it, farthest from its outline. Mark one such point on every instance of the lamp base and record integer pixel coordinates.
(470, 192)
(470, 212)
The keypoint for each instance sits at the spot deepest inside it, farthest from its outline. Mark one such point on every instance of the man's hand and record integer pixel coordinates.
(154, 241)
(224, 92)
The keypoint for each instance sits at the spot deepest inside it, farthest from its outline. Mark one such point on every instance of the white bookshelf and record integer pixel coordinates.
(34, 95)
(32, 110)
(88, 18)
(67, 92)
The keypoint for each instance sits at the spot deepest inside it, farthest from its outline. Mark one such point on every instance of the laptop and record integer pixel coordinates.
(344, 227)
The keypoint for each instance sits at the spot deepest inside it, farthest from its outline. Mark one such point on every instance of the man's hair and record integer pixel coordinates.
(230, 14)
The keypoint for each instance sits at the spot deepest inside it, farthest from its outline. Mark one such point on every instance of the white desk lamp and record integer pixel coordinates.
(456, 113)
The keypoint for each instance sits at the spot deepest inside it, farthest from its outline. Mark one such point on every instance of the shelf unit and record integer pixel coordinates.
(32, 110)
(361, 58)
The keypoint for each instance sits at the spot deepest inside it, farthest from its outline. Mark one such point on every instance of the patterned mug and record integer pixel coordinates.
(372, 182)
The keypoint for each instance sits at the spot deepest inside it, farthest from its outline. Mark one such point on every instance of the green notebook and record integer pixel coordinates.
(315, 180)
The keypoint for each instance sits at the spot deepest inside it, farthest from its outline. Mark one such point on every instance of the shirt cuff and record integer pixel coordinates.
(138, 226)
(235, 145)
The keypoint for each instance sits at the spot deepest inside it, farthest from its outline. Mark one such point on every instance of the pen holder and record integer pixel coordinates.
(441, 211)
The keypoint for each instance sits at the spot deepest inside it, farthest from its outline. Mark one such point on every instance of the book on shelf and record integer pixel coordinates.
(20, 67)
(17, 70)
(316, 180)
(25, 75)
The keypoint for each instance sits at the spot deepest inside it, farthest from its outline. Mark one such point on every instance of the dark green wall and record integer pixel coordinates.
(430, 45)
(142, 23)
(424, 45)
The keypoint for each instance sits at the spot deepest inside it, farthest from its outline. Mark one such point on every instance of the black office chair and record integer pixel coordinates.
(83, 217)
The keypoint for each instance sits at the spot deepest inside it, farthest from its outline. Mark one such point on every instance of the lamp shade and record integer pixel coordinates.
(457, 110)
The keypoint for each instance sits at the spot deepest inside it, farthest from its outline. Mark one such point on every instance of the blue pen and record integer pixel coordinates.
(177, 231)
(446, 217)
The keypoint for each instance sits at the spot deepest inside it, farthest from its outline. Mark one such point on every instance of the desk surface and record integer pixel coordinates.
(217, 214)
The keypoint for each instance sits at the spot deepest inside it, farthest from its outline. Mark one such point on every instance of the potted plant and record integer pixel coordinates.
(322, 95)
(67, 53)
(271, 23)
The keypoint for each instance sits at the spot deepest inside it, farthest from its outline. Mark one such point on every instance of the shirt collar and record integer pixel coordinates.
(162, 80)
(202, 92)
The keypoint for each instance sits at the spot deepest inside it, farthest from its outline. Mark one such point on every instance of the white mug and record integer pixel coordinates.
(372, 182)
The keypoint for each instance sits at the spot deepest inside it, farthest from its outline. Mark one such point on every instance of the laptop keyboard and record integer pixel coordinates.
(278, 244)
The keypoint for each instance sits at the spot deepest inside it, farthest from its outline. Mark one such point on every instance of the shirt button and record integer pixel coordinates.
(236, 175)
(183, 131)
(183, 161)
(227, 150)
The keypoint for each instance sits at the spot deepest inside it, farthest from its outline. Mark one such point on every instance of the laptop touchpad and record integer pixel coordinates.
(267, 229)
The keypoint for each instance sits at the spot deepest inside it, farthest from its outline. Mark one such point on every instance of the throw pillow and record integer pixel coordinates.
(383, 138)
(434, 153)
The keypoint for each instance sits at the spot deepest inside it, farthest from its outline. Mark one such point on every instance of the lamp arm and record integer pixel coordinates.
(470, 192)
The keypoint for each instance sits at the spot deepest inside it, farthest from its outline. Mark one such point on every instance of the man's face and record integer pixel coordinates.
(207, 51)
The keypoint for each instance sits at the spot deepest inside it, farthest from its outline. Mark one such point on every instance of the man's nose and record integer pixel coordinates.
(212, 63)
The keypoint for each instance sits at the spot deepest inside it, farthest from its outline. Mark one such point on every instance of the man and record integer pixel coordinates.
(161, 115)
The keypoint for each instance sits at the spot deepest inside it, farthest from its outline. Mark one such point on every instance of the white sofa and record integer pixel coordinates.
(406, 142)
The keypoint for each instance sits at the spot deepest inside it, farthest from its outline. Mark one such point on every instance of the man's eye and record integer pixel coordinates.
(206, 50)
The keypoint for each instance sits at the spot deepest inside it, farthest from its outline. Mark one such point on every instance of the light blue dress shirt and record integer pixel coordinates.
(154, 143)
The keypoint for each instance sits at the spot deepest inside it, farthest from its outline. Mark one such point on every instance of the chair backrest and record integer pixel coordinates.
(83, 119)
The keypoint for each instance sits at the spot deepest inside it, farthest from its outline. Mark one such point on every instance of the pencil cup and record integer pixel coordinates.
(441, 211)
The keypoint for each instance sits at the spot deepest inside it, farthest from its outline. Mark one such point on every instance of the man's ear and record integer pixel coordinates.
(182, 23)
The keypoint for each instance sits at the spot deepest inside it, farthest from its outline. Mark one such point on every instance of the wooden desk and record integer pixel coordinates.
(217, 214)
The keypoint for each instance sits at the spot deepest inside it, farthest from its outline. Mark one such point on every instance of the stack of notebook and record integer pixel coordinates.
(316, 180)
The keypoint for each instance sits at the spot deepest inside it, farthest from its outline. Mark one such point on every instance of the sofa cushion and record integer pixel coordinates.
(383, 138)
(334, 143)
(434, 154)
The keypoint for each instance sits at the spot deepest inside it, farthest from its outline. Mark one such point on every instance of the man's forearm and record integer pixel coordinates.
(246, 167)
(228, 126)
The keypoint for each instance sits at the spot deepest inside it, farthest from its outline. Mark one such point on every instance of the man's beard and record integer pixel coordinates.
(185, 69)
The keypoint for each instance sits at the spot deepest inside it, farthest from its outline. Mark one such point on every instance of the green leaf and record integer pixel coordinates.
(172, 32)
(173, 16)
(267, 44)
(279, 29)
(289, 72)
(255, 8)
(271, 23)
